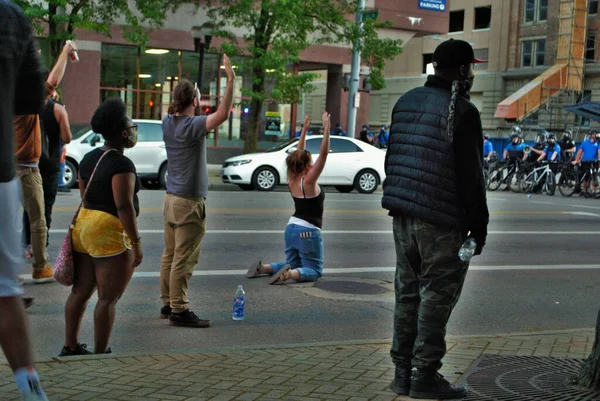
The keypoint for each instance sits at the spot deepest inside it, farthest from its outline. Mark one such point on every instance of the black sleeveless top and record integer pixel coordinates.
(310, 209)
(51, 143)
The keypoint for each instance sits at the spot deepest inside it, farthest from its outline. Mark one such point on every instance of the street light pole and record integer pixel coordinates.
(355, 74)
(206, 31)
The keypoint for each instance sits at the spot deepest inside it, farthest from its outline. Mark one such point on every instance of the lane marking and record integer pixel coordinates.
(381, 212)
(587, 207)
(359, 232)
(354, 270)
(543, 202)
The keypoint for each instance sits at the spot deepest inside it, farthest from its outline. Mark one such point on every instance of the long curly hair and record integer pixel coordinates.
(183, 96)
(296, 162)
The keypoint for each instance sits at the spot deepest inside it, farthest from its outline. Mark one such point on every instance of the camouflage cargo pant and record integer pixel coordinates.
(428, 283)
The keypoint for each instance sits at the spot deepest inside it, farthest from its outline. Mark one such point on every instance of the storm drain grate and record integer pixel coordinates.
(351, 287)
(524, 378)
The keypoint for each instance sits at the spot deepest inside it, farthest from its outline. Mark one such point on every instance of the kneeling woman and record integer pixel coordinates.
(303, 241)
(106, 241)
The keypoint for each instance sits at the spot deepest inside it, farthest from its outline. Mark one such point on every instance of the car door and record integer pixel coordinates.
(313, 145)
(149, 152)
(343, 162)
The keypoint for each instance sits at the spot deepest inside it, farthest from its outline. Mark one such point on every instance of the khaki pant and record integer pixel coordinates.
(185, 226)
(33, 203)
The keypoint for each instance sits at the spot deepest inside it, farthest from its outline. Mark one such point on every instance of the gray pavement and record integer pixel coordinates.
(538, 272)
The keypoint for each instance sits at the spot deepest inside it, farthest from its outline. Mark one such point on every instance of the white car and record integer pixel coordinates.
(351, 164)
(149, 155)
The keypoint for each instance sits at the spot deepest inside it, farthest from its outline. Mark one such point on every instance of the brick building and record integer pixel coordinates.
(520, 39)
(144, 78)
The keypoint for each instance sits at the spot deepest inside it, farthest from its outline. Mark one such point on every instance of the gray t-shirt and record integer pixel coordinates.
(185, 139)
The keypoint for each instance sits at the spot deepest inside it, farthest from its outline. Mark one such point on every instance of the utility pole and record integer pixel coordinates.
(353, 93)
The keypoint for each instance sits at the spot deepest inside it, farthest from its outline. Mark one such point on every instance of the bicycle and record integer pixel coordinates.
(569, 181)
(505, 174)
(543, 174)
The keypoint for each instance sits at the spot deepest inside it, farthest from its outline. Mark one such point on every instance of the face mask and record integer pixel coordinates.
(132, 139)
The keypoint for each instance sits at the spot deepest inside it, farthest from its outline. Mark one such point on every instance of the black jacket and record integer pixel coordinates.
(428, 177)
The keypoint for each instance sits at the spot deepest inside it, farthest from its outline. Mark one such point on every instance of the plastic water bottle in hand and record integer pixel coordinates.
(239, 301)
(467, 250)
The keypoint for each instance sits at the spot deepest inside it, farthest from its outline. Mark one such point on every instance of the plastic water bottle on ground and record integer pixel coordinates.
(239, 301)
(467, 250)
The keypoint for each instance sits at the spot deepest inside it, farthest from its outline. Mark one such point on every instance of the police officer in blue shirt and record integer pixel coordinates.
(383, 136)
(552, 152)
(587, 158)
(338, 130)
(515, 151)
(487, 146)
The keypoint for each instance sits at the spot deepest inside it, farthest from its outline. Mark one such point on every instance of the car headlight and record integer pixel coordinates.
(240, 162)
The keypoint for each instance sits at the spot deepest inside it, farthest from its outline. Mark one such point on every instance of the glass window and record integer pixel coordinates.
(529, 14)
(148, 132)
(481, 54)
(158, 66)
(590, 48)
(427, 59)
(540, 51)
(343, 146)
(526, 53)
(542, 10)
(457, 21)
(483, 17)
(593, 7)
(118, 66)
(313, 145)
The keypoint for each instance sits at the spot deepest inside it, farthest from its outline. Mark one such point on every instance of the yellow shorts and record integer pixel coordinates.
(99, 234)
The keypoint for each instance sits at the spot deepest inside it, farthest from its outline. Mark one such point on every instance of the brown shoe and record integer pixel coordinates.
(254, 270)
(44, 275)
(280, 276)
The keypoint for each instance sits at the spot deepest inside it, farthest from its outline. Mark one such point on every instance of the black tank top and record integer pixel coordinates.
(310, 209)
(51, 143)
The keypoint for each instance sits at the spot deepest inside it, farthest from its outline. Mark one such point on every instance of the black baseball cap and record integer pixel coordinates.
(454, 53)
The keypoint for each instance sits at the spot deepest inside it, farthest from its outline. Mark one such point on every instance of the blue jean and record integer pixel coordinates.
(61, 175)
(303, 252)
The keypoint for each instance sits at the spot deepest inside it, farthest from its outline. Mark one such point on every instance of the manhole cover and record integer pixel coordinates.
(351, 287)
(524, 378)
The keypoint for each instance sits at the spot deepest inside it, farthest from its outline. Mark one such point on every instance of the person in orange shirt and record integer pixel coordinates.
(28, 144)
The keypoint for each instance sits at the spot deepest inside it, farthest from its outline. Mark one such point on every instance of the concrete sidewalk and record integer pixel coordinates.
(357, 371)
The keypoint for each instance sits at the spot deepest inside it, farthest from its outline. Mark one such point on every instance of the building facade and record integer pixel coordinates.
(145, 78)
(519, 38)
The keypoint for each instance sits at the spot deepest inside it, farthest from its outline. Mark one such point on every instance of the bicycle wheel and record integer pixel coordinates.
(514, 182)
(567, 182)
(495, 179)
(526, 183)
(550, 184)
(596, 186)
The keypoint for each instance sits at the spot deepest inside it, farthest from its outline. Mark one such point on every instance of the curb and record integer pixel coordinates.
(222, 350)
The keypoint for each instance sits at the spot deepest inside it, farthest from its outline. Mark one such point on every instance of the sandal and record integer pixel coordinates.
(254, 270)
(280, 276)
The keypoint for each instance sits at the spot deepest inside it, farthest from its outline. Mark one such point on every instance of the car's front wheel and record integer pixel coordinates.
(366, 181)
(70, 174)
(265, 179)
(162, 176)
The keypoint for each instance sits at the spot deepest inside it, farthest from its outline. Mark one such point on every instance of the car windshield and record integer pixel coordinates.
(81, 131)
(282, 146)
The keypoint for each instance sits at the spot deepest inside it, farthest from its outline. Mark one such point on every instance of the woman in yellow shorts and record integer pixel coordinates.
(106, 241)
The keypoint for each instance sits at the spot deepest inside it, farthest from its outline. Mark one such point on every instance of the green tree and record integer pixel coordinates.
(277, 31)
(62, 17)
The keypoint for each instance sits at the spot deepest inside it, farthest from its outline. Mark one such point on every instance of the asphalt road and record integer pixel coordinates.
(539, 271)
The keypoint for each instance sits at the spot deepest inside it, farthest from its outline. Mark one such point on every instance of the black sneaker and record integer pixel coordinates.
(428, 384)
(187, 318)
(81, 349)
(401, 383)
(165, 312)
(27, 302)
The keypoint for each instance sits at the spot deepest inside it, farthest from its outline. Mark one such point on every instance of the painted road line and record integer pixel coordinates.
(586, 207)
(355, 270)
(359, 232)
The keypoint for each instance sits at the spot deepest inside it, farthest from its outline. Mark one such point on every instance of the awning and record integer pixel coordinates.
(586, 110)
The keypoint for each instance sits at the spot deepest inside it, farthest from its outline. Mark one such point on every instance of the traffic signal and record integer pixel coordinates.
(206, 110)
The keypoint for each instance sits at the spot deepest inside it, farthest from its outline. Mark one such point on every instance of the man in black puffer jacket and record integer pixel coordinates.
(435, 191)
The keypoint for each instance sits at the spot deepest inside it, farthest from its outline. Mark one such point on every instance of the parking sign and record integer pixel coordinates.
(435, 5)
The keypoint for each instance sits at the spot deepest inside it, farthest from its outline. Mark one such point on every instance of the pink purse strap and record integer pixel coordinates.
(87, 187)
